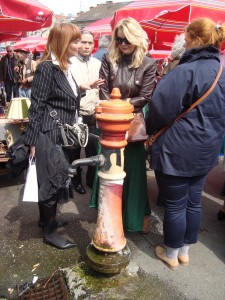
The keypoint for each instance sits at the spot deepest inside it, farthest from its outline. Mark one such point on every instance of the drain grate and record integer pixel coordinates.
(53, 289)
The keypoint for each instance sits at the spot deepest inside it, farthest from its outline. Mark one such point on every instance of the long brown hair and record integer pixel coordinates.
(60, 36)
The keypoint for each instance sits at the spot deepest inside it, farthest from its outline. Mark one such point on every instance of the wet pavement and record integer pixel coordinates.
(23, 255)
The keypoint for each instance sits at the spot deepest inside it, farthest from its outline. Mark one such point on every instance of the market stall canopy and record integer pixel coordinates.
(29, 43)
(41, 46)
(163, 19)
(11, 36)
(24, 15)
(160, 54)
(100, 27)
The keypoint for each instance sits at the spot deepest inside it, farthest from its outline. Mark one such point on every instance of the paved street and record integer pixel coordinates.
(23, 254)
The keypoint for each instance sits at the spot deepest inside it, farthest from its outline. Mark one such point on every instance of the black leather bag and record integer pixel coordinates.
(73, 137)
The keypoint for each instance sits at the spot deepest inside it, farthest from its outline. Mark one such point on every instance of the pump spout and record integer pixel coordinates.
(98, 160)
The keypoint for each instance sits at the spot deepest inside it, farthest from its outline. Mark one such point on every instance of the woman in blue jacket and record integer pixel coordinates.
(184, 154)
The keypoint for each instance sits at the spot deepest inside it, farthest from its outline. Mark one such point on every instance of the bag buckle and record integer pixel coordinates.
(151, 139)
(53, 113)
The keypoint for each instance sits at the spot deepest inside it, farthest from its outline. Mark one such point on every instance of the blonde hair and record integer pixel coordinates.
(135, 35)
(205, 32)
(60, 36)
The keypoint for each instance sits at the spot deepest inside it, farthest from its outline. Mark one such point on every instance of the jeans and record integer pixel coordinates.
(25, 92)
(183, 209)
(11, 88)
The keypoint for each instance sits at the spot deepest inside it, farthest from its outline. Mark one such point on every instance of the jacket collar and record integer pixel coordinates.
(82, 58)
(62, 80)
(203, 53)
(55, 61)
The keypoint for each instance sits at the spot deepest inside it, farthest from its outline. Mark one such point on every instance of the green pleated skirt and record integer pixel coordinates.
(135, 196)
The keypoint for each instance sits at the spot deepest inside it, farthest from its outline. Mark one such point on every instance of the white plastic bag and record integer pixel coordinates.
(31, 185)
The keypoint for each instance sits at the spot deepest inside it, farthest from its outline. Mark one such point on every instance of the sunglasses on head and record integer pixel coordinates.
(120, 41)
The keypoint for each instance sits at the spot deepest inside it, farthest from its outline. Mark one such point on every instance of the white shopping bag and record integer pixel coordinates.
(31, 185)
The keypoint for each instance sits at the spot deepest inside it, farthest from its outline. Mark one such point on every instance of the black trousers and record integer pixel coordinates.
(90, 150)
(11, 88)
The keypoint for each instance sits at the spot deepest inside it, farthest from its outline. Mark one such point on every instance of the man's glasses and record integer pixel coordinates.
(8, 51)
(120, 41)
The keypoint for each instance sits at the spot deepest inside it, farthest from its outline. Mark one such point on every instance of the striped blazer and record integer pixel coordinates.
(50, 86)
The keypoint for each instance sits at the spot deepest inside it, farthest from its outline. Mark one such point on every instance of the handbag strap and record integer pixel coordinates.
(163, 129)
(54, 115)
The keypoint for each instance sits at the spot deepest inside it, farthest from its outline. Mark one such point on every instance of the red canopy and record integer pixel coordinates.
(11, 36)
(160, 54)
(100, 27)
(29, 43)
(23, 15)
(41, 46)
(163, 19)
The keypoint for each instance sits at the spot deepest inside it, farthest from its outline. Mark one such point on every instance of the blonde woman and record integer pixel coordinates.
(184, 154)
(127, 68)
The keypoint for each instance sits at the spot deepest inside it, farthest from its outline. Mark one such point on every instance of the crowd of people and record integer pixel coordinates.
(16, 73)
(71, 81)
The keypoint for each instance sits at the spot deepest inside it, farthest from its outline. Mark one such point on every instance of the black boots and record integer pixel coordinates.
(52, 238)
(41, 222)
(76, 182)
(47, 221)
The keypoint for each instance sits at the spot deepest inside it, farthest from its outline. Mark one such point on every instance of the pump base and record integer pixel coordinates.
(109, 263)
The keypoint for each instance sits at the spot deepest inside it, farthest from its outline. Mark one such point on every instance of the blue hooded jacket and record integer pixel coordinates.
(190, 147)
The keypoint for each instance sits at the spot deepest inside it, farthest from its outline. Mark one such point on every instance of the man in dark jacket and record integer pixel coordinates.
(7, 73)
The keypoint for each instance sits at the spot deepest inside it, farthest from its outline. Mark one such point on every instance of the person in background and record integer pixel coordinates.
(177, 51)
(103, 45)
(36, 55)
(127, 67)
(184, 154)
(54, 89)
(7, 73)
(26, 69)
(85, 69)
